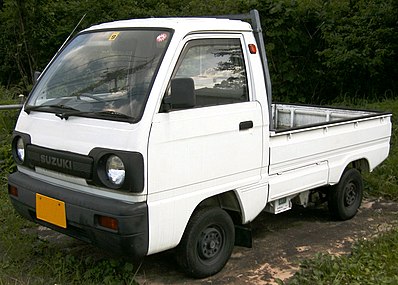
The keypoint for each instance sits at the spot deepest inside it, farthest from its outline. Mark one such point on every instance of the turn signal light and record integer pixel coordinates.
(12, 190)
(108, 222)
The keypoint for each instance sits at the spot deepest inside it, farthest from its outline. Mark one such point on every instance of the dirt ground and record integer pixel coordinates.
(280, 242)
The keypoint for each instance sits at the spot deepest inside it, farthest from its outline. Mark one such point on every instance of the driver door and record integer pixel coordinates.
(215, 145)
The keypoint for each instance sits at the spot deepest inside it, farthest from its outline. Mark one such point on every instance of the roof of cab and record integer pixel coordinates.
(189, 24)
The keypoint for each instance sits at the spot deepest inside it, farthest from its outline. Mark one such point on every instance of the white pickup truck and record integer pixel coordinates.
(151, 134)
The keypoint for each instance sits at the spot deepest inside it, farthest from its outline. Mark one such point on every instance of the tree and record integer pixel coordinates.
(317, 50)
(361, 44)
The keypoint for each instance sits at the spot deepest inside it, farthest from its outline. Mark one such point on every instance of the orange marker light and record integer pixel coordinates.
(108, 222)
(252, 48)
(12, 190)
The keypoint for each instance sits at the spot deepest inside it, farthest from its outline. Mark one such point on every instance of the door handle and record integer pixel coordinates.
(245, 125)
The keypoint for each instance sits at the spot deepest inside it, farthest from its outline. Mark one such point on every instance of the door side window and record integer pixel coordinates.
(217, 69)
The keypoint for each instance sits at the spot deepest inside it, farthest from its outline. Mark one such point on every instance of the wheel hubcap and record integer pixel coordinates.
(210, 243)
(350, 194)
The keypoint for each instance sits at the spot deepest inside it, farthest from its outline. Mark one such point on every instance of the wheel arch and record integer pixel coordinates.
(227, 201)
(362, 165)
(162, 238)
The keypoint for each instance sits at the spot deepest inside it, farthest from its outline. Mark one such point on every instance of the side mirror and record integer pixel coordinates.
(36, 76)
(182, 94)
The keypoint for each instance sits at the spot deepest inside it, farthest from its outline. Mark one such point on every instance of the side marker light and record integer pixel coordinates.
(12, 190)
(252, 49)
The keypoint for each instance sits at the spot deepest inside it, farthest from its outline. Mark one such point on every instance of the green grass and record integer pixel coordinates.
(371, 262)
(7, 122)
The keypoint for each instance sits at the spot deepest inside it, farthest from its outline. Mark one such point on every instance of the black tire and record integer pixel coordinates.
(345, 197)
(207, 242)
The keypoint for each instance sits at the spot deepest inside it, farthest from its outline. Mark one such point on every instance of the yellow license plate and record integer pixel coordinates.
(50, 210)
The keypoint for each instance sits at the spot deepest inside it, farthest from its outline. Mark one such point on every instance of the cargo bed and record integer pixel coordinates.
(294, 117)
(312, 144)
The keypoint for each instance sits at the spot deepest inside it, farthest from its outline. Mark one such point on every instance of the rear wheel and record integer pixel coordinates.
(345, 197)
(207, 242)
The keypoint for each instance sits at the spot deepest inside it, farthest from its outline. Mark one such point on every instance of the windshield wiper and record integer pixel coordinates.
(111, 114)
(68, 111)
(28, 109)
(114, 114)
(88, 95)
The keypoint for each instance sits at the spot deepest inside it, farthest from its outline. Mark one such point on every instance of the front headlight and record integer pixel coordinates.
(115, 170)
(19, 145)
(20, 150)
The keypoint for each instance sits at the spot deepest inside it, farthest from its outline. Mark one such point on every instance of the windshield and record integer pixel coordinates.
(104, 74)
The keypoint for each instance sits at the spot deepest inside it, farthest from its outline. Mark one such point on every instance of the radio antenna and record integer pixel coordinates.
(70, 35)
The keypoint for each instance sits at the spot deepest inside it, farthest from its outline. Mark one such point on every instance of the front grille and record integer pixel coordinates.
(61, 161)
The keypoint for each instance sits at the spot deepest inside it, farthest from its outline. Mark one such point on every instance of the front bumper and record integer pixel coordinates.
(131, 238)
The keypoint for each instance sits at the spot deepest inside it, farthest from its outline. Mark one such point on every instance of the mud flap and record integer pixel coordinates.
(243, 236)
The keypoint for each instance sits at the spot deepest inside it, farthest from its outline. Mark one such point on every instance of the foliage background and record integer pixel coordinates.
(318, 50)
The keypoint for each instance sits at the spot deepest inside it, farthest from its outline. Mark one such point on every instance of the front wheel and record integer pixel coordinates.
(345, 197)
(207, 242)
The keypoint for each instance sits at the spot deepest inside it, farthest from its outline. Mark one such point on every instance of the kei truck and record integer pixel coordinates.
(145, 135)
